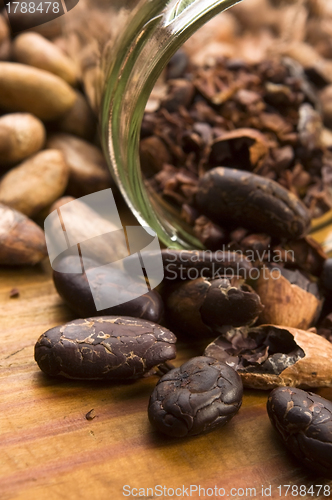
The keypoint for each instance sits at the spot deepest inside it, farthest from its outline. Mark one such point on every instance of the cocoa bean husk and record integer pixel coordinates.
(286, 303)
(313, 369)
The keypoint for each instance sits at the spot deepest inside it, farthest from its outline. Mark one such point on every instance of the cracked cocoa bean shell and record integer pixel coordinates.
(201, 307)
(75, 290)
(105, 347)
(298, 358)
(235, 196)
(197, 397)
(289, 297)
(303, 420)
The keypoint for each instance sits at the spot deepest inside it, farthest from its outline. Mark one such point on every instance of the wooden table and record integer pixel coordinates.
(50, 450)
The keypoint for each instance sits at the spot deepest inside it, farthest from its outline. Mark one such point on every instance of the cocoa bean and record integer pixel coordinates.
(88, 171)
(105, 347)
(21, 240)
(36, 183)
(35, 50)
(36, 91)
(21, 135)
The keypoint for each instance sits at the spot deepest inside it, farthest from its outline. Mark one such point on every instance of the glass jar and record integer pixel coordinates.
(122, 47)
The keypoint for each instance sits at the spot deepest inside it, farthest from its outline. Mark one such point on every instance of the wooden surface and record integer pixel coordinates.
(49, 450)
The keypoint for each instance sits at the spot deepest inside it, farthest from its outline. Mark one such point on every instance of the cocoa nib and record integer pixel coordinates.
(269, 356)
(263, 119)
(263, 349)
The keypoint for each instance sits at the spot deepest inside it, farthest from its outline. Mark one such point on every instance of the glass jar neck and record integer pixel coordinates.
(137, 38)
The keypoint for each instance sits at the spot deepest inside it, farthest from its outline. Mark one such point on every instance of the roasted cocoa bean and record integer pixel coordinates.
(75, 289)
(202, 307)
(303, 420)
(234, 196)
(197, 397)
(105, 347)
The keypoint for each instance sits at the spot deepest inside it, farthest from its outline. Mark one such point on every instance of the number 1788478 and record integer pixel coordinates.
(32, 7)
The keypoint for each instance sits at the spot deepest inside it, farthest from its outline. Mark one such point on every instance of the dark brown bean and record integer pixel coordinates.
(105, 347)
(303, 420)
(235, 196)
(197, 397)
(76, 292)
(201, 307)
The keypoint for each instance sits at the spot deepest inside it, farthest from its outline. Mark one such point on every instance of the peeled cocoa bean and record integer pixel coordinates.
(21, 240)
(197, 397)
(235, 196)
(303, 421)
(36, 91)
(105, 347)
(21, 135)
(36, 183)
(75, 289)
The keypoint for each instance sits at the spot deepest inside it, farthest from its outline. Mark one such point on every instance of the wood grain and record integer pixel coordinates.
(49, 450)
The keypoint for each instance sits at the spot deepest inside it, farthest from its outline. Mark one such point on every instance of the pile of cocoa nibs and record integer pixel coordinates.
(262, 118)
